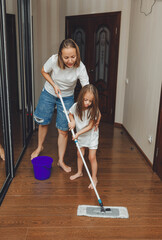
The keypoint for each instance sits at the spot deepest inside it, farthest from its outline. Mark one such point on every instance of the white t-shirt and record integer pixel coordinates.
(88, 139)
(65, 79)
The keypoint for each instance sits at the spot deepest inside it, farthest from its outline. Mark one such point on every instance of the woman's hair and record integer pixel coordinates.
(93, 109)
(68, 43)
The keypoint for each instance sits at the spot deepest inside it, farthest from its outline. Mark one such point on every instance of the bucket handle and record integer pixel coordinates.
(46, 167)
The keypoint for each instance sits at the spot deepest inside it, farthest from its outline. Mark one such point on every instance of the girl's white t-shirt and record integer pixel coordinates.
(65, 79)
(88, 139)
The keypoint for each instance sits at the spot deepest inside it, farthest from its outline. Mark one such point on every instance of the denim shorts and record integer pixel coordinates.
(45, 108)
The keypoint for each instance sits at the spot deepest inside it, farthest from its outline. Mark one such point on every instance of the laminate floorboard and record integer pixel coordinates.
(47, 210)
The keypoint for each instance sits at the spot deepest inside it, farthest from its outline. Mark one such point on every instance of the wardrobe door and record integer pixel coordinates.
(19, 60)
(14, 87)
(2, 150)
(16, 84)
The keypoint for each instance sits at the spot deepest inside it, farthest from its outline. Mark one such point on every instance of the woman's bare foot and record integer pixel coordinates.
(64, 167)
(36, 152)
(77, 175)
(95, 183)
(2, 153)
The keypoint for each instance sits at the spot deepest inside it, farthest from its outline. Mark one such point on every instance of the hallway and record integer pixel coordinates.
(46, 210)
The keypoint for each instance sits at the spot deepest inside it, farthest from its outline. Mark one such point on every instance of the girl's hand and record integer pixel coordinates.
(57, 90)
(96, 126)
(75, 137)
(71, 125)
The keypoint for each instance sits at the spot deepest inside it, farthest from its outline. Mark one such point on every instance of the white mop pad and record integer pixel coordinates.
(95, 211)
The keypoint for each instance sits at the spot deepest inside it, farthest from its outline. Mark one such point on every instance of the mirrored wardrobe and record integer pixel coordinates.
(16, 87)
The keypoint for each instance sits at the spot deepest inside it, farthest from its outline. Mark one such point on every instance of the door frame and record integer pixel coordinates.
(158, 136)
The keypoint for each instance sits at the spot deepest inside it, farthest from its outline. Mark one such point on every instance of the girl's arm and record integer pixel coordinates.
(49, 79)
(86, 129)
(72, 122)
(98, 121)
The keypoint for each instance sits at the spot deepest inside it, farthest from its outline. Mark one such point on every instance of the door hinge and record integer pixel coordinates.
(116, 30)
(157, 152)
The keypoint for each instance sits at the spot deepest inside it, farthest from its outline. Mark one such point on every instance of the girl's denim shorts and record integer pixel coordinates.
(45, 108)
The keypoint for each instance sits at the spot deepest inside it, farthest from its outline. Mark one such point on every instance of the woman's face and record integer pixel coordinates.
(69, 56)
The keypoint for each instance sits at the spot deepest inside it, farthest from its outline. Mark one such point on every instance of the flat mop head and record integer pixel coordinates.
(95, 211)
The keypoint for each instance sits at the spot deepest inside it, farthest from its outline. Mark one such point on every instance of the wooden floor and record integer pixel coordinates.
(47, 210)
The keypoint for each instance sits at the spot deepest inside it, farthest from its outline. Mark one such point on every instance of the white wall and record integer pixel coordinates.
(77, 7)
(144, 73)
(45, 37)
(11, 6)
(62, 14)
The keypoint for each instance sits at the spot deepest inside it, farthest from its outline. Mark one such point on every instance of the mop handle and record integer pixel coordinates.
(76, 142)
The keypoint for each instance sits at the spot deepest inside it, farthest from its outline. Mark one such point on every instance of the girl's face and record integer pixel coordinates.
(88, 99)
(69, 56)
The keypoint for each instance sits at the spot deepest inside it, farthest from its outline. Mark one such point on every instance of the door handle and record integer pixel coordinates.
(90, 70)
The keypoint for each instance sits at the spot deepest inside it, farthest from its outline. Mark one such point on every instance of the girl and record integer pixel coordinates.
(85, 115)
(61, 72)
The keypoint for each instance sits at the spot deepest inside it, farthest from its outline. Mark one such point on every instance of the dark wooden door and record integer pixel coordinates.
(97, 36)
(158, 147)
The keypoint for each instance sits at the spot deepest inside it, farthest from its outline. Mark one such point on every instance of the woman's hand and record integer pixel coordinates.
(49, 79)
(57, 90)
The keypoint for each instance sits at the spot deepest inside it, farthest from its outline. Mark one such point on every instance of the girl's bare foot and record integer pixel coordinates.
(64, 166)
(95, 183)
(36, 152)
(2, 153)
(77, 175)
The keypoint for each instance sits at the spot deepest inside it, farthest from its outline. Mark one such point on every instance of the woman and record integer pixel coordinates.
(61, 72)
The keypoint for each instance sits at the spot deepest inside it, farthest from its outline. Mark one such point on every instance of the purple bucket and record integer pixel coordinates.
(42, 167)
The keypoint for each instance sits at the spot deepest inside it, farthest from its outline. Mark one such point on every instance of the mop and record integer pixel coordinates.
(90, 210)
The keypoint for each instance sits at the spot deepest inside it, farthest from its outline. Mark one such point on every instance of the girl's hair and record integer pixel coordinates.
(93, 109)
(68, 43)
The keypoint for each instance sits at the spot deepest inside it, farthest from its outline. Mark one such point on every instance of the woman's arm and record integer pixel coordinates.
(49, 79)
(83, 75)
